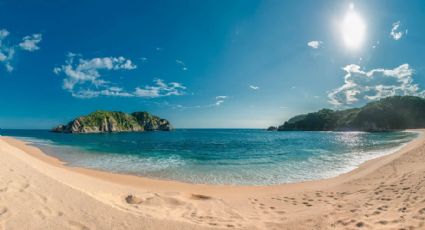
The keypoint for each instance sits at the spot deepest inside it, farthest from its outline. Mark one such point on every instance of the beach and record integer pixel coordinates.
(39, 192)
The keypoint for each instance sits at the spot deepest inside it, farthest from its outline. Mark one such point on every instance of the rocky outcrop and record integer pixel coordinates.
(151, 123)
(272, 128)
(391, 113)
(108, 122)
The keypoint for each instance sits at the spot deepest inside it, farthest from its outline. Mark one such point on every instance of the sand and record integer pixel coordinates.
(40, 192)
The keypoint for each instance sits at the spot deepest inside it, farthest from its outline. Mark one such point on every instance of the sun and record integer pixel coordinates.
(353, 29)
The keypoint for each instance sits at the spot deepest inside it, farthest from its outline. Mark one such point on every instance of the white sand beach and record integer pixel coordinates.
(40, 192)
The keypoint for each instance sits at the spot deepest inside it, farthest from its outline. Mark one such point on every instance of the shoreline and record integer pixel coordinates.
(38, 153)
(228, 206)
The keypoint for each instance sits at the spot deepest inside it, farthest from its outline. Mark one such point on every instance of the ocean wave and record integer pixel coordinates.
(224, 157)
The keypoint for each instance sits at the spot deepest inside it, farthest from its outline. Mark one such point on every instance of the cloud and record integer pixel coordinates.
(374, 85)
(396, 35)
(3, 33)
(83, 79)
(8, 49)
(30, 43)
(376, 44)
(254, 87)
(315, 44)
(111, 91)
(84, 72)
(161, 89)
(218, 103)
(219, 100)
(221, 97)
(182, 64)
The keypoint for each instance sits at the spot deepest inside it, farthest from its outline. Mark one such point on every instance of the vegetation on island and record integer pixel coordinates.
(107, 121)
(391, 113)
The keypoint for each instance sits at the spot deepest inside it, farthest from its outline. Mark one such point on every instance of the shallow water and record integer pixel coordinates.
(219, 156)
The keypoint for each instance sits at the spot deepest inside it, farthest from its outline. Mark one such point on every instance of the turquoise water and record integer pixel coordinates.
(219, 156)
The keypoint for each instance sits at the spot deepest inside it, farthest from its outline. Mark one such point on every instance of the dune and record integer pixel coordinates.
(40, 192)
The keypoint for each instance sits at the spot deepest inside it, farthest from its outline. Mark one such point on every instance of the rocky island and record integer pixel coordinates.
(391, 113)
(107, 122)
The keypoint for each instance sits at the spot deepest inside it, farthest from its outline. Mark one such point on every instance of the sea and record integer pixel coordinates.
(219, 156)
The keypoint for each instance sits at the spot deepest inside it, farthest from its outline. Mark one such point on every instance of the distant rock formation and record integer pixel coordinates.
(272, 128)
(108, 122)
(391, 113)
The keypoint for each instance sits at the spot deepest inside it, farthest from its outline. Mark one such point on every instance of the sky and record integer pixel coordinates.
(205, 64)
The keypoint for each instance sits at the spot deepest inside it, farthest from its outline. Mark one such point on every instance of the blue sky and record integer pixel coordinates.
(213, 64)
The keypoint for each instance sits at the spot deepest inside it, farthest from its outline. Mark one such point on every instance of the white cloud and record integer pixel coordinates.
(218, 103)
(395, 34)
(83, 79)
(30, 43)
(374, 85)
(2, 57)
(9, 67)
(8, 49)
(219, 100)
(83, 72)
(6, 56)
(315, 44)
(161, 89)
(3, 33)
(254, 87)
(6, 52)
(182, 64)
(111, 91)
(376, 44)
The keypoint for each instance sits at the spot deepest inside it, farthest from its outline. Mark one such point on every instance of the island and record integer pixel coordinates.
(271, 128)
(108, 122)
(387, 114)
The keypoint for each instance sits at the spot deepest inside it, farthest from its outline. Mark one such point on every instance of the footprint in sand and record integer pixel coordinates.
(43, 213)
(131, 199)
(360, 224)
(77, 225)
(40, 214)
(383, 222)
(307, 204)
(3, 210)
(200, 197)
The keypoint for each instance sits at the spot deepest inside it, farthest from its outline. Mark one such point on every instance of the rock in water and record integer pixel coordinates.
(108, 122)
(272, 128)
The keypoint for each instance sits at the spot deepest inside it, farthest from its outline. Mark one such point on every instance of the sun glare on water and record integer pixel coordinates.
(353, 29)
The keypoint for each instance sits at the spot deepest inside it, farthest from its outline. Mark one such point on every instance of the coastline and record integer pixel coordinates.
(286, 206)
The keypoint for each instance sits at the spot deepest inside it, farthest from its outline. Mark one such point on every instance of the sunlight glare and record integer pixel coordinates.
(353, 29)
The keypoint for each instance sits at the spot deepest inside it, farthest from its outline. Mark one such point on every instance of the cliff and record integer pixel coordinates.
(107, 122)
(391, 113)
